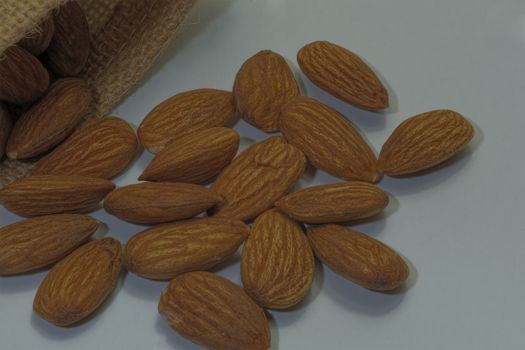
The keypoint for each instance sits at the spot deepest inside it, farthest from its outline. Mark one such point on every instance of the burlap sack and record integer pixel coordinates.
(127, 36)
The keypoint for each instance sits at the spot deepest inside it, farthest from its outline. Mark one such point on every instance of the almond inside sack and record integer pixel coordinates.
(126, 38)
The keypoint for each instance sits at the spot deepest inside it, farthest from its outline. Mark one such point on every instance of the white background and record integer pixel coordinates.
(460, 227)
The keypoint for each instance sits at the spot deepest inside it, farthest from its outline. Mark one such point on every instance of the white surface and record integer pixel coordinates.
(461, 227)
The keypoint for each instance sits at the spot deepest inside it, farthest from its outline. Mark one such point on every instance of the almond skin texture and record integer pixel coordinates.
(5, 127)
(195, 157)
(214, 313)
(53, 194)
(38, 40)
(423, 141)
(23, 79)
(168, 250)
(49, 121)
(183, 114)
(277, 264)
(69, 49)
(330, 203)
(154, 203)
(358, 257)
(31, 244)
(100, 148)
(79, 284)
(342, 74)
(258, 177)
(263, 85)
(329, 140)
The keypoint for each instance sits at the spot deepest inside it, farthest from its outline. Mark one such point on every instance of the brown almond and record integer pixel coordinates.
(329, 140)
(195, 157)
(168, 250)
(23, 79)
(100, 148)
(31, 244)
(214, 313)
(277, 265)
(424, 141)
(258, 177)
(38, 40)
(183, 114)
(343, 74)
(79, 284)
(49, 121)
(331, 203)
(5, 127)
(154, 203)
(358, 257)
(69, 49)
(53, 194)
(263, 85)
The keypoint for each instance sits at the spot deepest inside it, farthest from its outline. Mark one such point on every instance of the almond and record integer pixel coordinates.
(168, 250)
(258, 177)
(79, 284)
(329, 140)
(183, 114)
(342, 74)
(263, 85)
(53, 194)
(100, 148)
(49, 121)
(38, 40)
(5, 127)
(424, 141)
(194, 157)
(358, 257)
(23, 79)
(277, 265)
(153, 203)
(35, 243)
(214, 313)
(69, 49)
(337, 202)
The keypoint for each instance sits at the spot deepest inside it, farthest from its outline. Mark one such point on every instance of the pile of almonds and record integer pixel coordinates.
(193, 147)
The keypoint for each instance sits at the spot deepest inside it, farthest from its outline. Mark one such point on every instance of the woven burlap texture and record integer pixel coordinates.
(126, 37)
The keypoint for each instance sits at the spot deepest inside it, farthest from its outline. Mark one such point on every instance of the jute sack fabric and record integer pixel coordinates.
(126, 37)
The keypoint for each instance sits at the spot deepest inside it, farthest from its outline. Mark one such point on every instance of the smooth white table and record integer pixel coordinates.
(461, 227)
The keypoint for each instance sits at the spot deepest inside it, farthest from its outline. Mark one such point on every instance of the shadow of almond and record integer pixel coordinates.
(142, 160)
(101, 232)
(22, 283)
(118, 229)
(172, 338)
(49, 331)
(274, 332)
(298, 75)
(229, 263)
(357, 299)
(307, 179)
(428, 179)
(143, 288)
